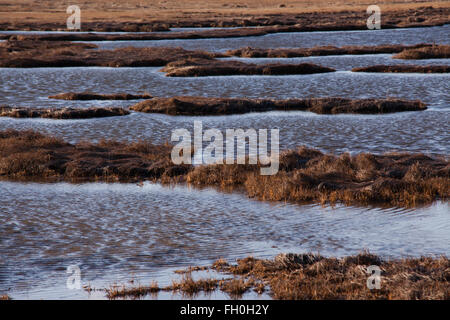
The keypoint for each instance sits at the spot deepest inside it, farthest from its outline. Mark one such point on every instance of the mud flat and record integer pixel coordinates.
(404, 69)
(62, 113)
(198, 106)
(429, 52)
(33, 54)
(135, 16)
(249, 52)
(305, 175)
(309, 276)
(96, 96)
(28, 155)
(208, 67)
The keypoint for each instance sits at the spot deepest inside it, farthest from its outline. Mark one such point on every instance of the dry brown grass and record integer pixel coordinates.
(307, 175)
(122, 292)
(5, 297)
(432, 52)
(28, 155)
(313, 277)
(136, 15)
(210, 67)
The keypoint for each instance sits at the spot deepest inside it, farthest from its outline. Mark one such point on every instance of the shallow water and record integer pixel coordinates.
(119, 232)
(300, 39)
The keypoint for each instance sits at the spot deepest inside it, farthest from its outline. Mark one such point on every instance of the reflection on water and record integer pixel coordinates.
(116, 230)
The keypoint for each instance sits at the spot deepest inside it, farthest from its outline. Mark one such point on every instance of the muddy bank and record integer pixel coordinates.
(208, 67)
(304, 176)
(62, 113)
(198, 106)
(33, 54)
(404, 69)
(31, 156)
(310, 276)
(249, 52)
(430, 52)
(322, 18)
(95, 96)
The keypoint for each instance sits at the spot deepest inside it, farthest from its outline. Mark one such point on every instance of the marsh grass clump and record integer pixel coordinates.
(314, 277)
(236, 287)
(117, 292)
(192, 106)
(62, 113)
(187, 285)
(5, 297)
(28, 155)
(428, 52)
(307, 175)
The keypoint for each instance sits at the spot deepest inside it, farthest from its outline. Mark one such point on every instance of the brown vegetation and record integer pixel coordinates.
(96, 96)
(28, 155)
(212, 67)
(404, 68)
(222, 106)
(249, 52)
(32, 54)
(5, 297)
(305, 175)
(308, 175)
(62, 113)
(431, 52)
(135, 15)
(313, 277)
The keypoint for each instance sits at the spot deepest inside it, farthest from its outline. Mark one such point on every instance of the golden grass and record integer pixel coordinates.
(314, 277)
(307, 175)
(5, 297)
(13, 11)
